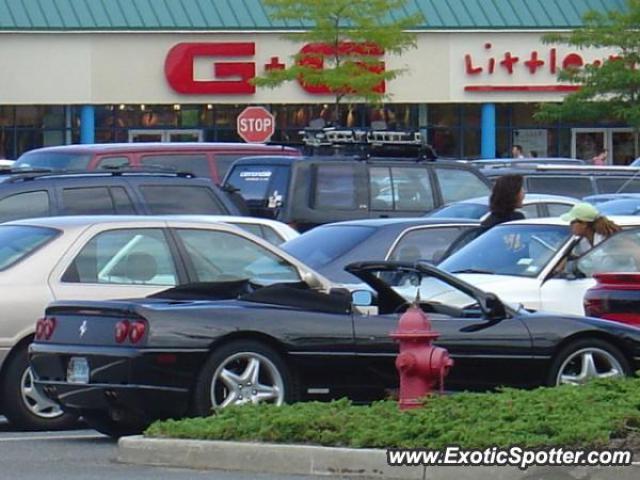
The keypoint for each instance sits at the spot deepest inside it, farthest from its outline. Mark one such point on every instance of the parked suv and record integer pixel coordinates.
(310, 191)
(211, 160)
(573, 181)
(32, 195)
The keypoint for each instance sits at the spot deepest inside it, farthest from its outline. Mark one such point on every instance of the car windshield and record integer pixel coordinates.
(521, 250)
(461, 210)
(322, 245)
(53, 161)
(17, 241)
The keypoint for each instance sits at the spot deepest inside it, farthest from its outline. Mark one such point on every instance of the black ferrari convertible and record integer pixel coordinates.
(188, 350)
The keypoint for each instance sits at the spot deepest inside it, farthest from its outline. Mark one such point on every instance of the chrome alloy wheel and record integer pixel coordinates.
(36, 402)
(586, 364)
(246, 377)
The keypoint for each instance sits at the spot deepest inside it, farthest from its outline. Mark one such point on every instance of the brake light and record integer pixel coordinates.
(122, 330)
(137, 331)
(39, 329)
(593, 307)
(47, 327)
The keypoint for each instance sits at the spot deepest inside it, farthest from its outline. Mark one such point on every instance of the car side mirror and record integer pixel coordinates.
(494, 308)
(362, 298)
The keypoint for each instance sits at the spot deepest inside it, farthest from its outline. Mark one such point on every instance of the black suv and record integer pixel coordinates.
(573, 181)
(309, 191)
(28, 195)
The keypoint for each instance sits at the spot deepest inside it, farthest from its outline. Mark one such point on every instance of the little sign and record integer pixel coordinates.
(255, 125)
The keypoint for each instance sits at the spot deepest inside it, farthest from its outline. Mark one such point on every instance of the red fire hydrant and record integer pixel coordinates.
(420, 364)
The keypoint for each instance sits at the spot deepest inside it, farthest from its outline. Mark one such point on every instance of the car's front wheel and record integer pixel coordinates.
(242, 372)
(585, 360)
(24, 405)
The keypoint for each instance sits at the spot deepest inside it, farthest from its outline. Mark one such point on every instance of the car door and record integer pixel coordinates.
(319, 340)
(619, 253)
(485, 353)
(108, 261)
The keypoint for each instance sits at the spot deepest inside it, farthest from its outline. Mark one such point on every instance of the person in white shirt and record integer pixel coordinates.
(588, 224)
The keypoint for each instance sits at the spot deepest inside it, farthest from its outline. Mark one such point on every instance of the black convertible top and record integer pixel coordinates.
(294, 295)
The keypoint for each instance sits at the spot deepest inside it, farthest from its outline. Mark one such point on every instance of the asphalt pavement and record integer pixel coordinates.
(88, 455)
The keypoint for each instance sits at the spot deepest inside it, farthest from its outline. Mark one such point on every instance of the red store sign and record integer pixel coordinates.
(534, 62)
(233, 77)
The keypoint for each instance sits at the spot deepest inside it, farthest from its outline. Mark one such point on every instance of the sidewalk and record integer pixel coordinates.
(334, 462)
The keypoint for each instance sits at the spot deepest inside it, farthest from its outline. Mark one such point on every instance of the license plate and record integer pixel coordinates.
(78, 370)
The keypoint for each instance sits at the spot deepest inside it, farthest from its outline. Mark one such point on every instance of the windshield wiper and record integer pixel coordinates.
(474, 270)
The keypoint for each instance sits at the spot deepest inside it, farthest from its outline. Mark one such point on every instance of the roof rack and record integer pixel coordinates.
(366, 142)
(33, 175)
(604, 168)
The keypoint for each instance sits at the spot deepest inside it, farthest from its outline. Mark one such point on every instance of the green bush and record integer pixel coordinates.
(588, 416)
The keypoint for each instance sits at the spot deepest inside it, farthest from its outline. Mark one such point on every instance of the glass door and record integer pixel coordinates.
(586, 143)
(183, 136)
(621, 151)
(140, 136)
(172, 135)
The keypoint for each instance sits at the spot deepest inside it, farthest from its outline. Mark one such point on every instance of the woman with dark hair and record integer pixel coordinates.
(506, 197)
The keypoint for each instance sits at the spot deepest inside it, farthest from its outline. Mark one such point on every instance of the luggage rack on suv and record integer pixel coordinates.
(365, 143)
(22, 175)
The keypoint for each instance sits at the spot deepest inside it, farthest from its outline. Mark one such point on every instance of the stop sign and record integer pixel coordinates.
(255, 125)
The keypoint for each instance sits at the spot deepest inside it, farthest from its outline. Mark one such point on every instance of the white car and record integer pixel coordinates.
(272, 231)
(106, 257)
(535, 205)
(523, 263)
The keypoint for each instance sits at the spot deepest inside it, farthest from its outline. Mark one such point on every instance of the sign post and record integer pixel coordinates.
(255, 125)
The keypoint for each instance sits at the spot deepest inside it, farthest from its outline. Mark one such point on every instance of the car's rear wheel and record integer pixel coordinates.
(242, 372)
(101, 422)
(585, 360)
(25, 406)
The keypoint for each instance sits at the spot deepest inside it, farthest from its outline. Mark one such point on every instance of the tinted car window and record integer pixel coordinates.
(619, 253)
(400, 188)
(112, 163)
(87, 201)
(618, 185)
(173, 199)
(254, 181)
(570, 186)
(530, 211)
(129, 257)
(322, 245)
(457, 184)
(54, 160)
(335, 187)
(557, 209)
(225, 160)
(16, 242)
(198, 164)
(461, 210)
(121, 200)
(425, 244)
(522, 250)
(234, 258)
(24, 205)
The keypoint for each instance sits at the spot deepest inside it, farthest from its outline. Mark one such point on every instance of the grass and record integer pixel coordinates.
(593, 415)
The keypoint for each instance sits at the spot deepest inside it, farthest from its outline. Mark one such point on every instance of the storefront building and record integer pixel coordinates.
(133, 70)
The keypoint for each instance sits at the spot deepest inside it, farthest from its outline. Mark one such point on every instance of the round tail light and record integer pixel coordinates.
(122, 330)
(137, 331)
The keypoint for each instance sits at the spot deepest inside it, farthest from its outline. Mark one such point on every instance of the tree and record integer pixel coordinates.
(608, 89)
(346, 39)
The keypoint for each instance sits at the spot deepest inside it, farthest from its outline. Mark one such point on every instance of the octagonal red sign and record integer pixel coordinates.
(255, 125)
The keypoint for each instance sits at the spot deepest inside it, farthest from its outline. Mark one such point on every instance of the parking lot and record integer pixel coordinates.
(87, 455)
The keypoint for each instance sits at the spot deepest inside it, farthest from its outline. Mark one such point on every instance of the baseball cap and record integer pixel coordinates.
(584, 212)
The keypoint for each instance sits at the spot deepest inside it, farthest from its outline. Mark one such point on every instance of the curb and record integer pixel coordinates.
(330, 461)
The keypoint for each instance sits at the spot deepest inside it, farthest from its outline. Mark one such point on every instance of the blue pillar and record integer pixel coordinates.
(488, 123)
(87, 124)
